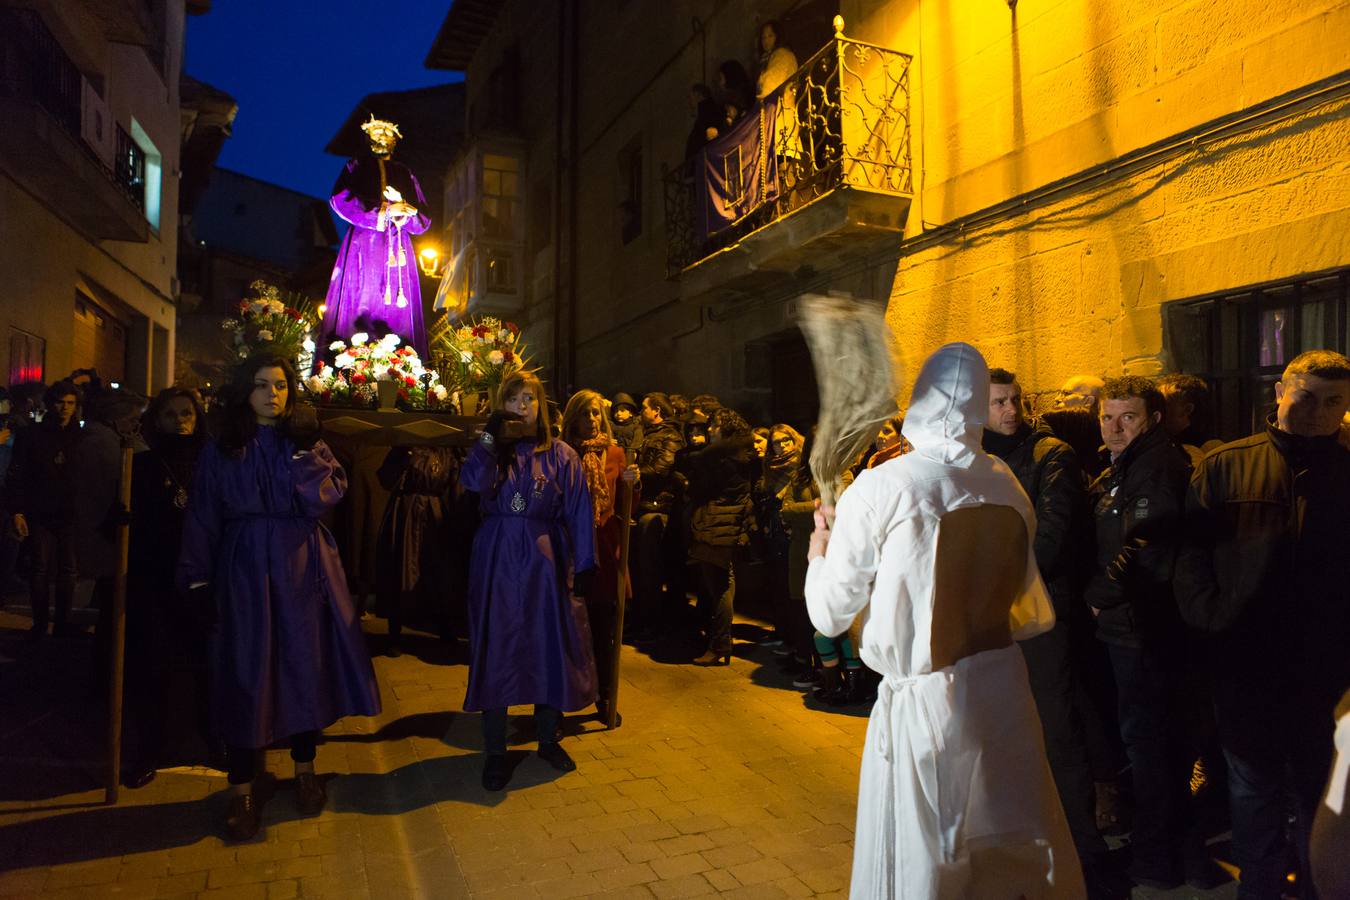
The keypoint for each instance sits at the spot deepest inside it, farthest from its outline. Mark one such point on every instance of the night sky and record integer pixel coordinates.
(298, 68)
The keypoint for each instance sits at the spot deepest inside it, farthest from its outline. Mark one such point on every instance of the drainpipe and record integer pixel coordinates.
(557, 208)
(574, 11)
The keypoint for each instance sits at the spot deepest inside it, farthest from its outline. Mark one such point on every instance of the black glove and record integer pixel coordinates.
(497, 430)
(200, 605)
(304, 428)
(583, 583)
(118, 516)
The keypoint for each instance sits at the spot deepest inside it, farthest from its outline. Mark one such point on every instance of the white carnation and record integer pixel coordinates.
(264, 334)
(337, 345)
(360, 338)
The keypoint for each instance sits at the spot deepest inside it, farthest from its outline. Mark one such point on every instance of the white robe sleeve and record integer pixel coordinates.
(839, 584)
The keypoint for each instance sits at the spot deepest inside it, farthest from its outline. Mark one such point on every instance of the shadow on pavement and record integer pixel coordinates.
(103, 832)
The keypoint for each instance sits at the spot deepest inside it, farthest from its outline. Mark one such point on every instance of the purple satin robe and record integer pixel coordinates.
(288, 654)
(363, 277)
(529, 638)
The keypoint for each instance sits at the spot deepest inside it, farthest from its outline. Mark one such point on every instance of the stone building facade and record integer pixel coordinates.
(89, 162)
(1127, 187)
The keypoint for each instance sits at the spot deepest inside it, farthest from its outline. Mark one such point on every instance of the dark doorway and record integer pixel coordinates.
(794, 397)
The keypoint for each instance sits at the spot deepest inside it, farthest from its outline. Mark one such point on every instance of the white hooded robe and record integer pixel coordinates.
(955, 798)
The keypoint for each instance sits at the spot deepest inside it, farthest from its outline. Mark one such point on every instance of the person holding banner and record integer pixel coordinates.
(533, 565)
(586, 428)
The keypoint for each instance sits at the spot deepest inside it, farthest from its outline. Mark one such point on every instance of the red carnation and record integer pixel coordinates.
(511, 327)
(508, 356)
(409, 380)
(358, 378)
(402, 394)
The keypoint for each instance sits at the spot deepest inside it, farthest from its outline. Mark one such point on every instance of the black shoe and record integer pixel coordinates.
(808, 679)
(310, 795)
(1158, 881)
(552, 753)
(496, 772)
(393, 652)
(713, 658)
(243, 818)
(852, 690)
(138, 778)
(1206, 876)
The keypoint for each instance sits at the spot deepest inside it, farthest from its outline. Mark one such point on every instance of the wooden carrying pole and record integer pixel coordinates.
(117, 639)
(625, 522)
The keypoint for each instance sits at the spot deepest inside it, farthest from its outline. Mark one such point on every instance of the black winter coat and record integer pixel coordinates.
(43, 477)
(1137, 506)
(656, 465)
(1048, 470)
(720, 478)
(1265, 566)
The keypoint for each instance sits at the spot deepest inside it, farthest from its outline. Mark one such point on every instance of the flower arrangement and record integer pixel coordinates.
(478, 354)
(362, 364)
(266, 319)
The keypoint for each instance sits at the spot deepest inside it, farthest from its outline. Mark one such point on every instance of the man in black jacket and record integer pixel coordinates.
(1048, 471)
(1266, 572)
(1137, 505)
(661, 441)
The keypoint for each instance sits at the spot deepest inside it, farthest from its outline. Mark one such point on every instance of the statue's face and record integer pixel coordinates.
(382, 140)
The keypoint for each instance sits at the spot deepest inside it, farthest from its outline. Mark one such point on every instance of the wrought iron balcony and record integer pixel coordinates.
(828, 149)
(59, 139)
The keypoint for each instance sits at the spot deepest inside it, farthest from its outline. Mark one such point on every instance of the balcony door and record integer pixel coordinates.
(99, 341)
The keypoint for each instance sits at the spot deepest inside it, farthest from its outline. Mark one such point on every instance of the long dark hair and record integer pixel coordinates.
(513, 384)
(240, 422)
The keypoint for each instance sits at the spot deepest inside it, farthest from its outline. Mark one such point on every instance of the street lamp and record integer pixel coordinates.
(429, 259)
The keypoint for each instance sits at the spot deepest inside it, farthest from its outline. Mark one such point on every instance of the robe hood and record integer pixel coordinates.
(949, 406)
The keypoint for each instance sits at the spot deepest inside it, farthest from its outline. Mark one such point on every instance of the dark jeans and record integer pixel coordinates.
(1147, 686)
(1275, 749)
(243, 761)
(648, 563)
(54, 562)
(546, 722)
(1050, 671)
(716, 600)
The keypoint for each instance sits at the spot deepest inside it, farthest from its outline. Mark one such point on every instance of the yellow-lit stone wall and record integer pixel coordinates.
(1003, 103)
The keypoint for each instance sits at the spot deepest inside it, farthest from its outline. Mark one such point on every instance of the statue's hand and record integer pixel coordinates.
(392, 194)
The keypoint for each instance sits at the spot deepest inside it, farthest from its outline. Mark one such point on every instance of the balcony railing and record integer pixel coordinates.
(34, 68)
(841, 121)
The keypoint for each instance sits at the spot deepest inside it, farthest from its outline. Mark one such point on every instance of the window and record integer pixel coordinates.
(138, 169)
(501, 196)
(1240, 342)
(630, 202)
(27, 357)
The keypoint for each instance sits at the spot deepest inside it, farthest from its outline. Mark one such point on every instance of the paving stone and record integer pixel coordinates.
(686, 886)
(626, 876)
(678, 866)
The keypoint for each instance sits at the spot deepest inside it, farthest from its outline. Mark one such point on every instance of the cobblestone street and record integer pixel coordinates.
(720, 781)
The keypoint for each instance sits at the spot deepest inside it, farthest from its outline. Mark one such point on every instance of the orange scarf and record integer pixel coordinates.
(593, 454)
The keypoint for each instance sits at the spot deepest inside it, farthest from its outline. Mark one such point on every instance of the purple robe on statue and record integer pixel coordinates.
(376, 258)
(529, 638)
(287, 655)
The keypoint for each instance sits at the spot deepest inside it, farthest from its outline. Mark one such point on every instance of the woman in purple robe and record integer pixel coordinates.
(286, 655)
(529, 638)
(374, 287)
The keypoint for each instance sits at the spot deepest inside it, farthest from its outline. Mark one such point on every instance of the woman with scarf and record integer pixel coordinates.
(532, 567)
(287, 657)
(165, 649)
(586, 429)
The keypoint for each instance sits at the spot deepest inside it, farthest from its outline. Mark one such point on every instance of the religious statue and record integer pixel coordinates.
(374, 288)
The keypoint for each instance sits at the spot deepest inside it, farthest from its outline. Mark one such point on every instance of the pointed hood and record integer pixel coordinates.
(949, 406)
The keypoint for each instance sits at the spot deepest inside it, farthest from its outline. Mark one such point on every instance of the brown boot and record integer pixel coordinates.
(243, 818)
(310, 795)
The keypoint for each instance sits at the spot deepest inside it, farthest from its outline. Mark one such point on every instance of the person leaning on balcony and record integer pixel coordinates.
(1265, 573)
(776, 66)
(735, 93)
(707, 120)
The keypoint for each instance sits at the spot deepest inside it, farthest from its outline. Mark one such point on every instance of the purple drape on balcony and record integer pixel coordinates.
(737, 173)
